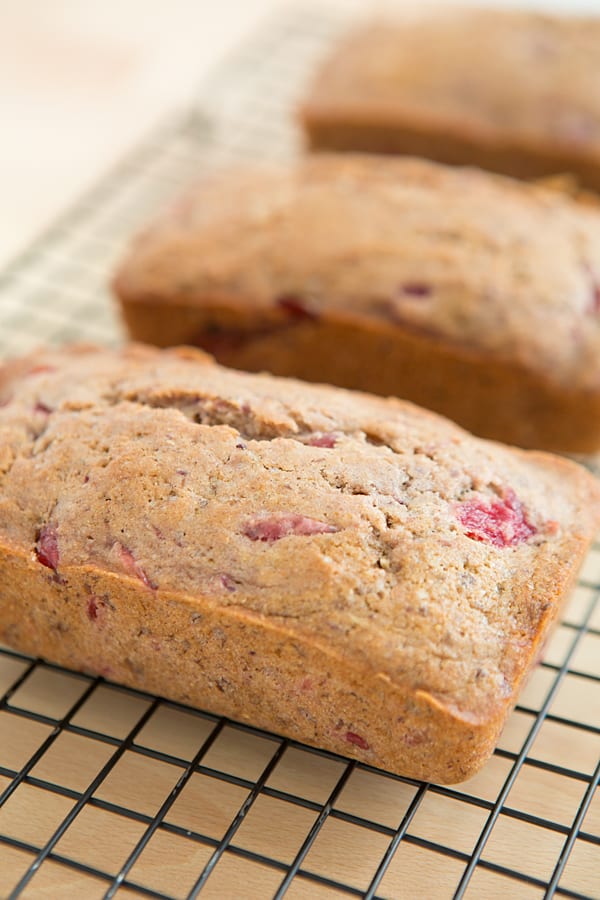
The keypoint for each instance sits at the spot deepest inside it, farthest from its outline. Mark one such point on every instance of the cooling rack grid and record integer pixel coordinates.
(106, 792)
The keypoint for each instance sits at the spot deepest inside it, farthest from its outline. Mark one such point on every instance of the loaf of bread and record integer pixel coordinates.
(468, 293)
(514, 91)
(352, 572)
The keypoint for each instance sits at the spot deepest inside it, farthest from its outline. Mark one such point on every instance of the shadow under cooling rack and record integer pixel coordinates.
(105, 791)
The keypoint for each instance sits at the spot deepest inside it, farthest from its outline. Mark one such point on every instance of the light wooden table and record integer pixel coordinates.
(81, 82)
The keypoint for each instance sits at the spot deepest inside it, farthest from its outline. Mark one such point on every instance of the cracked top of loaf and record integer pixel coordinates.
(368, 526)
(493, 265)
(494, 73)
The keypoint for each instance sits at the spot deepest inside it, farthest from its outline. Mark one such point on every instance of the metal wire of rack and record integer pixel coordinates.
(106, 792)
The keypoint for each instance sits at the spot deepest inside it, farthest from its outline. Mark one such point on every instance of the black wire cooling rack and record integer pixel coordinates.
(106, 791)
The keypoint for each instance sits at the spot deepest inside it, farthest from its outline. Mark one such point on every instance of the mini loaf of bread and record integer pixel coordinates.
(352, 572)
(514, 91)
(469, 293)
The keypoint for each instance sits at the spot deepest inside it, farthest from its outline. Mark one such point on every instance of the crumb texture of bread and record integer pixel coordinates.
(511, 90)
(469, 293)
(353, 572)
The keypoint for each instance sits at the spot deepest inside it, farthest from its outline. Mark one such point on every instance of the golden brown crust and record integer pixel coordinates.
(410, 87)
(348, 571)
(249, 669)
(470, 294)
